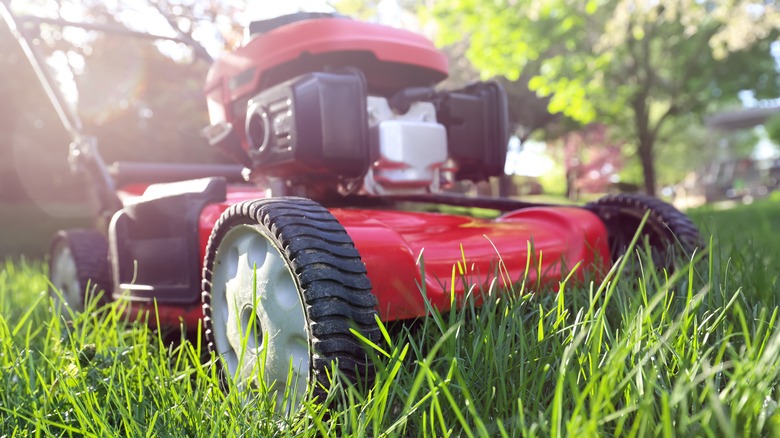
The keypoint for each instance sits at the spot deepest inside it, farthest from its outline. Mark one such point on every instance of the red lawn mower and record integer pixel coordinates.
(336, 125)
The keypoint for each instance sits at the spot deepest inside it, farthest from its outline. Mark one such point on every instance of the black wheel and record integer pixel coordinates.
(282, 286)
(78, 268)
(670, 233)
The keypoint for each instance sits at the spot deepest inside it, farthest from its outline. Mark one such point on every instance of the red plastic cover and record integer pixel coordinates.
(397, 246)
(239, 73)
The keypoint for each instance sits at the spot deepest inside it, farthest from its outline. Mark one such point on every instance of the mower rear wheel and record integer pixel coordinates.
(670, 233)
(282, 286)
(78, 268)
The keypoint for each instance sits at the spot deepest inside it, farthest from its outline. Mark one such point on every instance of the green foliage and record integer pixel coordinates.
(773, 129)
(359, 9)
(637, 66)
(598, 55)
(687, 146)
(554, 180)
(690, 353)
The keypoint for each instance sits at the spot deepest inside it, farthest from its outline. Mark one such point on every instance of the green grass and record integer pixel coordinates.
(694, 353)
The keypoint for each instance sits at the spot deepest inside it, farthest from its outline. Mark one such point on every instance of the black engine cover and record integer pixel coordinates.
(313, 127)
(477, 122)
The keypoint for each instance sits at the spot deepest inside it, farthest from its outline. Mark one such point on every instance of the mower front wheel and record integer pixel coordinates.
(78, 268)
(669, 232)
(282, 286)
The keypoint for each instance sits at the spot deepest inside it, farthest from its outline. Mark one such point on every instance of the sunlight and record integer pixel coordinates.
(263, 10)
(63, 75)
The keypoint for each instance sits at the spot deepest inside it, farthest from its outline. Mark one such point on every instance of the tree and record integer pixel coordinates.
(141, 105)
(639, 66)
(142, 100)
(591, 160)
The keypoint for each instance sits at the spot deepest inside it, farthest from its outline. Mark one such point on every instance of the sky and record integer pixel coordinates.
(264, 9)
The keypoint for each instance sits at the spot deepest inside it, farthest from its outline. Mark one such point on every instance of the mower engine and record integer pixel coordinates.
(350, 106)
(409, 151)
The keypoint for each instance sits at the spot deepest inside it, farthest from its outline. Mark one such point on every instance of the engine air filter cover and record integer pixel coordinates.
(312, 127)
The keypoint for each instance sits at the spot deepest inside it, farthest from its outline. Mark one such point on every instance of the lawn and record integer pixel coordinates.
(692, 353)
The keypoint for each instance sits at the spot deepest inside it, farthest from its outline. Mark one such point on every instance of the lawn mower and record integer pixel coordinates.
(289, 257)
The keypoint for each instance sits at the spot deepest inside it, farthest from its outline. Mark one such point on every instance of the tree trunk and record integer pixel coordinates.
(646, 143)
(646, 137)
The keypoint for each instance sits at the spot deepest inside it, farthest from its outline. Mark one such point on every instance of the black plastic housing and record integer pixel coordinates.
(154, 243)
(477, 122)
(312, 127)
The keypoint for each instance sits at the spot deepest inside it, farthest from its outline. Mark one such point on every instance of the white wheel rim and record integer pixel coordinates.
(65, 278)
(271, 314)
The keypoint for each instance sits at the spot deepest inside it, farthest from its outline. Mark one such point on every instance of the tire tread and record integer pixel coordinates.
(681, 233)
(89, 249)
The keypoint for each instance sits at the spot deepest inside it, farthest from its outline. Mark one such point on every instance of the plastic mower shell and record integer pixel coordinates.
(391, 58)
(397, 246)
(538, 246)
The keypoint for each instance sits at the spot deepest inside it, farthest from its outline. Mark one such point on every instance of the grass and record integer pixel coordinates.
(692, 353)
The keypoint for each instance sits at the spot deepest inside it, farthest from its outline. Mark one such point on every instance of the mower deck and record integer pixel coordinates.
(538, 244)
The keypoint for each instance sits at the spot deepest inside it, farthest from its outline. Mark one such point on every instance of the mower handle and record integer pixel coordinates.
(69, 118)
(67, 115)
(134, 172)
(83, 154)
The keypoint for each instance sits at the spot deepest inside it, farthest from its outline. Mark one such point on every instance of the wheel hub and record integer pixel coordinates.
(260, 326)
(252, 328)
